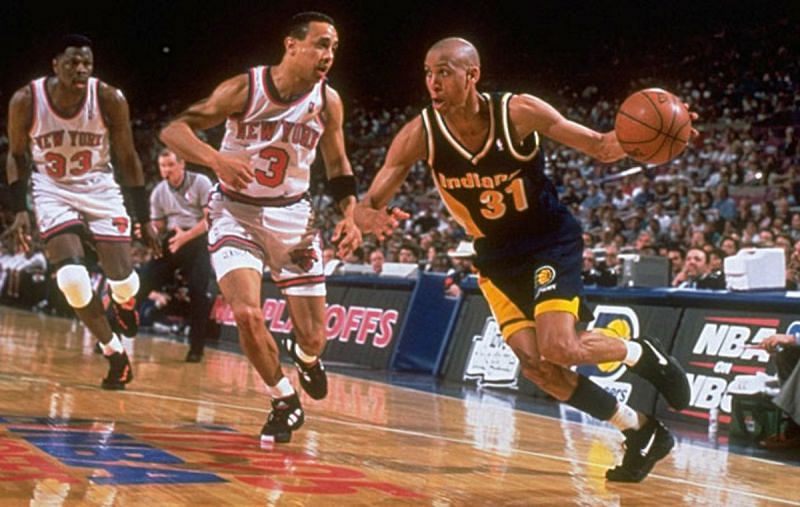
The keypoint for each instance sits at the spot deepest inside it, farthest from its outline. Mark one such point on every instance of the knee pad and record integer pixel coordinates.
(123, 290)
(74, 282)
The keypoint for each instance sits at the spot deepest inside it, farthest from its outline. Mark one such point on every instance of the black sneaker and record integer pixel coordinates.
(286, 416)
(313, 378)
(124, 318)
(119, 371)
(643, 448)
(664, 372)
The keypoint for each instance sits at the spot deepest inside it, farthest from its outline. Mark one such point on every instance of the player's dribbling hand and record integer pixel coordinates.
(346, 237)
(234, 171)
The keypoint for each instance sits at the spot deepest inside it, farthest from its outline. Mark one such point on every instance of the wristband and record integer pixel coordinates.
(19, 196)
(342, 187)
(137, 203)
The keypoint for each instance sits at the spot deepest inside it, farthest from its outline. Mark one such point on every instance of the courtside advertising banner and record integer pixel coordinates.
(362, 324)
(715, 347)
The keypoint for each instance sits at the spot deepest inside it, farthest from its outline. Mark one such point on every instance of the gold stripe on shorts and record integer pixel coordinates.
(558, 305)
(508, 315)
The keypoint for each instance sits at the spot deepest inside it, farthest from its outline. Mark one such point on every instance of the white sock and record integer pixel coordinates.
(127, 344)
(634, 353)
(625, 418)
(282, 389)
(302, 355)
(115, 345)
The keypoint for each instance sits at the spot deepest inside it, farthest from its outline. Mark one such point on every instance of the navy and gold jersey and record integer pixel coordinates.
(500, 195)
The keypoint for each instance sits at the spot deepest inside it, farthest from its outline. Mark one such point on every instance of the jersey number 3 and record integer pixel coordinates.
(273, 172)
(492, 200)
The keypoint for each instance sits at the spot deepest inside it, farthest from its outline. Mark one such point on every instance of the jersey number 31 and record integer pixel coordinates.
(492, 200)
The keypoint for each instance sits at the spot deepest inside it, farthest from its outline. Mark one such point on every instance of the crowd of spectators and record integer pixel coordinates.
(736, 186)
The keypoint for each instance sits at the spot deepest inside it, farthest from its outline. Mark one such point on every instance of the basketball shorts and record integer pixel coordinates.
(248, 236)
(545, 280)
(95, 204)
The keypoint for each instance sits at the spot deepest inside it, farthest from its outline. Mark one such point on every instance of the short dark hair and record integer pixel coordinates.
(298, 25)
(72, 40)
(166, 152)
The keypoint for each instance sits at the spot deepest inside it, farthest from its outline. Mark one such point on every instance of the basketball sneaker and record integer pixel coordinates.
(286, 416)
(124, 318)
(664, 372)
(119, 371)
(313, 378)
(643, 449)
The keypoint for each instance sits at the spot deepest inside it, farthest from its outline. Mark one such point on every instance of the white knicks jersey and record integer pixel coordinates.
(279, 138)
(70, 151)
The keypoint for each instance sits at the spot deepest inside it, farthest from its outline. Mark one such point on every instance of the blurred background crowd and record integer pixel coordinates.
(736, 186)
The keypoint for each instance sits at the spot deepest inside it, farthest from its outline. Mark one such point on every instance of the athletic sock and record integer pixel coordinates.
(634, 353)
(114, 345)
(282, 389)
(626, 418)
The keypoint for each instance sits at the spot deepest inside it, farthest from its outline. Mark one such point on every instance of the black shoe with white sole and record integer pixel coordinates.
(286, 416)
(643, 449)
(664, 372)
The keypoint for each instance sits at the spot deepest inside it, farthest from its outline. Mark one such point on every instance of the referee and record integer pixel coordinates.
(178, 209)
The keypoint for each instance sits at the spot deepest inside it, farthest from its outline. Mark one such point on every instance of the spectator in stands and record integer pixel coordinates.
(462, 259)
(793, 267)
(610, 268)
(697, 274)
(589, 273)
(729, 246)
(376, 260)
(786, 354)
(407, 254)
(676, 256)
(715, 260)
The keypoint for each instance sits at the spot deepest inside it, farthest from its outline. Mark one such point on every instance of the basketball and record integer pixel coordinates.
(653, 126)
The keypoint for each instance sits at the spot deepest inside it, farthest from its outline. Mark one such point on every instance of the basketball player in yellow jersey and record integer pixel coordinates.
(485, 155)
(69, 127)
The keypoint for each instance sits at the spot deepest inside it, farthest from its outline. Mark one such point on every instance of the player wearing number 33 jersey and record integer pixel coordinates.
(73, 180)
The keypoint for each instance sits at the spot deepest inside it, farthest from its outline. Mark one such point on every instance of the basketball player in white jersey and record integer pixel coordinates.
(68, 127)
(261, 216)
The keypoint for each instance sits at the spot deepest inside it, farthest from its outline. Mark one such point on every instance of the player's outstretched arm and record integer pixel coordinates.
(20, 116)
(341, 181)
(529, 113)
(227, 99)
(407, 148)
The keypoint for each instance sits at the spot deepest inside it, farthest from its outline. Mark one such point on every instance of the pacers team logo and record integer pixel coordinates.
(619, 322)
(544, 279)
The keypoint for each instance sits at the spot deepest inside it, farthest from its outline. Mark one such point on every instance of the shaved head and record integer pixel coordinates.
(460, 51)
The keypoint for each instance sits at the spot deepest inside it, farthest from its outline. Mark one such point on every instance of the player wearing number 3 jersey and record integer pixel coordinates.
(261, 216)
(486, 160)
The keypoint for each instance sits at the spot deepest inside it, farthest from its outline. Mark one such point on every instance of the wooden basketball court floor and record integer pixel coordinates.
(187, 434)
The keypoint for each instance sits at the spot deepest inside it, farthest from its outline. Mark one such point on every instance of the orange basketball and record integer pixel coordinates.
(653, 126)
